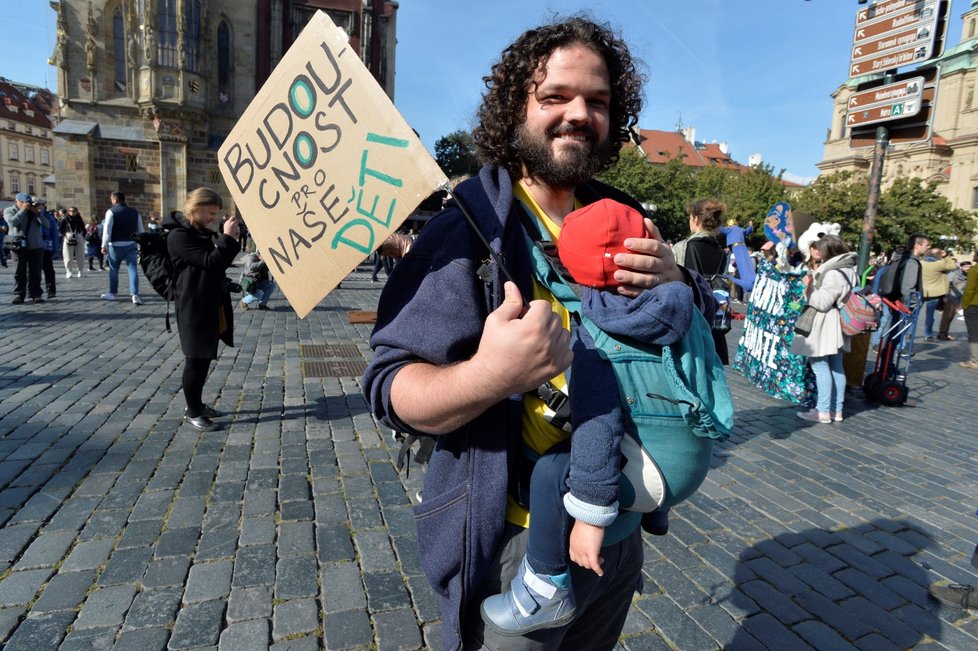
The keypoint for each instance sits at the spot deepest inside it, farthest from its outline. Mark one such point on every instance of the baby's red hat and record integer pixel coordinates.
(591, 236)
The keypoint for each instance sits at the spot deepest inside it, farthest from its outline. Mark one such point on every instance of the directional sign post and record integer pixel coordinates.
(893, 33)
(899, 100)
(889, 34)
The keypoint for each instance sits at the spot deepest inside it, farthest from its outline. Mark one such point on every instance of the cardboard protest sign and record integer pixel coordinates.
(322, 166)
(764, 352)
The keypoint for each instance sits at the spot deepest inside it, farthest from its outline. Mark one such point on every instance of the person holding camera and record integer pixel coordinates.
(256, 282)
(201, 294)
(26, 240)
(72, 229)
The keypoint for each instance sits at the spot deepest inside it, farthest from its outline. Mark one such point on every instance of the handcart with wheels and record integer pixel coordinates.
(887, 384)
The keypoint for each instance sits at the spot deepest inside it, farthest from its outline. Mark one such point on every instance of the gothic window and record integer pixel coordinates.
(28, 153)
(166, 33)
(223, 63)
(132, 162)
(192, 29)
(119, 50)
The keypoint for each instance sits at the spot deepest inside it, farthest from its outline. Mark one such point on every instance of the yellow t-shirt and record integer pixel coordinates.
(538, 434)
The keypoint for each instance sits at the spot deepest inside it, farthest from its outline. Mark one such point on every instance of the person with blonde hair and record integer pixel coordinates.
(201, 297)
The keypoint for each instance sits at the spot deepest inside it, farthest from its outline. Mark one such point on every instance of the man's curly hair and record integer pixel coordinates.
(503, 108)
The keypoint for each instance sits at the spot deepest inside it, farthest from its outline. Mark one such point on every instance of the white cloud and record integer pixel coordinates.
(801, 180)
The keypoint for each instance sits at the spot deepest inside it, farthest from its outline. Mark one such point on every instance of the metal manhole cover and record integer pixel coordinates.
(330, 350)
(340, 368)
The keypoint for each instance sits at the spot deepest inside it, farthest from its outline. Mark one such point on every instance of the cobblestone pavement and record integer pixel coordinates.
(123, 528)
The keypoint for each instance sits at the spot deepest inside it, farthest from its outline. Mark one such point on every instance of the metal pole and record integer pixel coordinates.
(873, 200)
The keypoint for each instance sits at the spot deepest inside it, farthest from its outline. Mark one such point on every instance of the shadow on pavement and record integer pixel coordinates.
(832, 589)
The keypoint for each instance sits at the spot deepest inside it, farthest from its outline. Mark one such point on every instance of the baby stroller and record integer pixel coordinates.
(887, 384)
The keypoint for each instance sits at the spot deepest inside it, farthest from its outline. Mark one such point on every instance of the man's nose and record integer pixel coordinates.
(577, 111)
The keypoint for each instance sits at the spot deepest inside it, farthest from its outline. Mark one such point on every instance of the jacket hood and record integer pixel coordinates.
(175, 220)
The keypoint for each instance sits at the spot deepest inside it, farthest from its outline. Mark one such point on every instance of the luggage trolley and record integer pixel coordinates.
(887, 384)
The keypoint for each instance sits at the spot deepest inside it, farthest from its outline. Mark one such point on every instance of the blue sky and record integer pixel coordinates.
(756, 74)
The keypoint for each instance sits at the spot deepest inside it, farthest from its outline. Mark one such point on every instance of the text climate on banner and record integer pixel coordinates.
(763, 353)
(322, 166)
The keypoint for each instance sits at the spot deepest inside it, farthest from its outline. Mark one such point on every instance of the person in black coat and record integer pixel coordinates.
(704, 253)
(202, 301)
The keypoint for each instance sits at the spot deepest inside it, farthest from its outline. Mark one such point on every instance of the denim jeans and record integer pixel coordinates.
(830, 382)
(931, 306)
(886, 320)
(116, 255)
(261, 292)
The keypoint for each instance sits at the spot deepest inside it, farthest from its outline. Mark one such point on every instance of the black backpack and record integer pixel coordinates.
(154, 259)
(891, 278)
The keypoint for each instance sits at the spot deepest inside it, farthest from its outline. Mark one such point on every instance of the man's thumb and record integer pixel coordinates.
(512, 306)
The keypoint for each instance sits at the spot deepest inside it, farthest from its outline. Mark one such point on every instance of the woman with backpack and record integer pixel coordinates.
(703, 253)
(826, 344)
(201, 298)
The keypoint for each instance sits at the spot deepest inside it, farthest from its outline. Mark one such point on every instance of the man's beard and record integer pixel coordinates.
(576, 164)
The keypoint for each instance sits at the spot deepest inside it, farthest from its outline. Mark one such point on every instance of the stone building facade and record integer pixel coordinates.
(149, 89)
(25, 139)
(950, 154)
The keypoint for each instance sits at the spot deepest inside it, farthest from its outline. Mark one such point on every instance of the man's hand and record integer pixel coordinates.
(105, 250)
(585, 546)
(521, 347)
(232, 228)
(651, 263)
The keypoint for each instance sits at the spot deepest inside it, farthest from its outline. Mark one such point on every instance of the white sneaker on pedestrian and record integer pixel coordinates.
(67, 274)
(136, 300)
(108, 296)
(78, 275)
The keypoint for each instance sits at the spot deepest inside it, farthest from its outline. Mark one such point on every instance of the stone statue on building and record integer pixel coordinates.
(91, 45)
(59, 58)
(149, 42)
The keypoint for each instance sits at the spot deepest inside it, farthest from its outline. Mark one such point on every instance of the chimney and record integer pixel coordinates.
(689, 133)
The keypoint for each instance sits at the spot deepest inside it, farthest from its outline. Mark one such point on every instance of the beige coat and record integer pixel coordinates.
(934, 276)
(830, 289)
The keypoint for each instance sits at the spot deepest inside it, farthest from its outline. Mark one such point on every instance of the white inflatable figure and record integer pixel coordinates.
(813, 233)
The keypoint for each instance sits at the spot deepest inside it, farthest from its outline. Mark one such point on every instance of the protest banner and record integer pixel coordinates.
(763, 353)
(322, 166)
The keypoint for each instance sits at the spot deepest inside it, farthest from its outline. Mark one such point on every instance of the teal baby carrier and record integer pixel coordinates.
(675, 400)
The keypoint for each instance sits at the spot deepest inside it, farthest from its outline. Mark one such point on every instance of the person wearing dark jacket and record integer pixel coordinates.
(201, 298)
(72, 229)
(26, 225)
(460, 353)
(703, 253)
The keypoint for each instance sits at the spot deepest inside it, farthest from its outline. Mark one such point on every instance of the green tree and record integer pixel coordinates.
(906, 207)
(839, 197)
(632, 174)
(912, 205)
(673, 185)
(750, 195)
(455, 154)
(712, 181)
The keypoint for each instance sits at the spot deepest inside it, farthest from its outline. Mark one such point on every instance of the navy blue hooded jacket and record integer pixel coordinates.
(433, 308)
